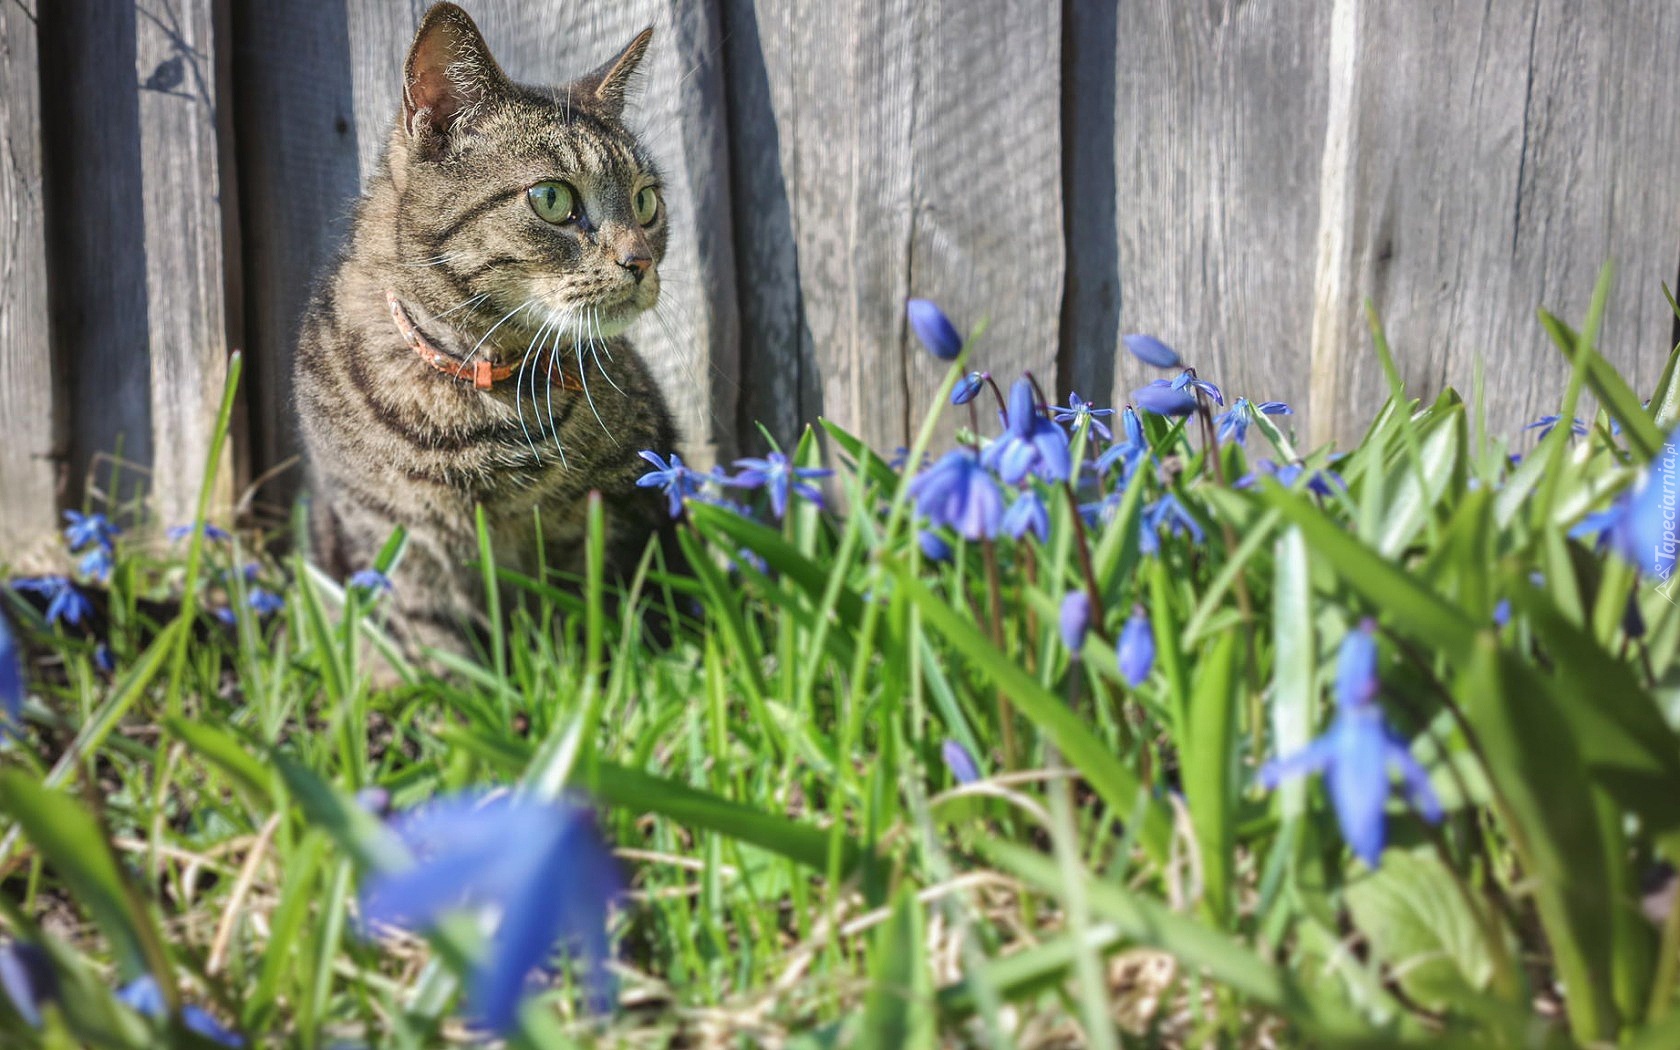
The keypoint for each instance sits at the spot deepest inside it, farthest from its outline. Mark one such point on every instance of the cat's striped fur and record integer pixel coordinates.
(445, 225)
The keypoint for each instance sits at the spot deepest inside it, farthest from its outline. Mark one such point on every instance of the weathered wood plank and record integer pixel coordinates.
(1090, 321)
(691, 341)
(190, 240)
(1220, 119)
(96, 255)
(891, 176)
(1501, 153)
(27, 474)
(298, 180)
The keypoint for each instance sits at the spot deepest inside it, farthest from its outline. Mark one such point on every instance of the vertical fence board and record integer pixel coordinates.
(26, 373)
(96, 256)
(1503, 153)
(1220, 123)
(188, 241)
(901, 172)
(298, 181)
(690, 341)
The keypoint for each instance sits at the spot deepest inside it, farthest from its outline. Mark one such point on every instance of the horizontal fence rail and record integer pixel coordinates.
(1238, 179)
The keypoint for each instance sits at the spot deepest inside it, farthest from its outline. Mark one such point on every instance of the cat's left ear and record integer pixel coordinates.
(611, 83)
(449, 73)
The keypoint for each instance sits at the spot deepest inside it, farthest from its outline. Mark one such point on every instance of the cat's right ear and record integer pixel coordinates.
(449, 73)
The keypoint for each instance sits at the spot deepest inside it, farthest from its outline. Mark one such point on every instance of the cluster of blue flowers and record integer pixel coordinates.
(773, 473)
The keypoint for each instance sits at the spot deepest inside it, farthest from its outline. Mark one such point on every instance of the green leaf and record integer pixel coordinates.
(777, 552)
(1209, 764)
(71, 840)
(1117, 784)
(1416, 921)
(635, 790)
(895, 1012)
(1618, 399)
(223, 750)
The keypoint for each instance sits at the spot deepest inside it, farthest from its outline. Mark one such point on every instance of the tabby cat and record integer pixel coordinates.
(468, 349)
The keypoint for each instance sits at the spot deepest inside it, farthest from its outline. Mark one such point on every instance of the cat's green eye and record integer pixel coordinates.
(553, 201)
(646, 204)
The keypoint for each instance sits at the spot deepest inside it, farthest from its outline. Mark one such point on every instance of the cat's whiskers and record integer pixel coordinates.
(436, 260)
(519, 390)
(593, 320)
(467, 304)
(595, 351)
(505, 317)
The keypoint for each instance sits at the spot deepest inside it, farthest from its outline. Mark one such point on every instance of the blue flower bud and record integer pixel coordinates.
(934, 329)
(1151, 351)
(1136, 648)
(1075, 620)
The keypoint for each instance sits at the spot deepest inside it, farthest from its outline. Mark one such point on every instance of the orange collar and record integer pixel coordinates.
(482, 374)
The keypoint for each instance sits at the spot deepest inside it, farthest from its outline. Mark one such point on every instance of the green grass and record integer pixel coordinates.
(804, 868)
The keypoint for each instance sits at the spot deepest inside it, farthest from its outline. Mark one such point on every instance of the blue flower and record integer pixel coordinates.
(1357, 754)
(674, 479)
(1169, 513)
(1642, 525)
(1128, 452)
(969, 387)
(1135, 651)
(1163, 399)
(28, 979)
(776, 475)
(11, 677)
(264, 602)
(65, 604)
(146, 998)
(1186, 380)
(1234, 423)
(103, 659)
(1323, 482)
(957, 492)
(1151, 351)
(1075, 620)
(85, 529)
(371, 582)
(934, 329)
(934, 547)
(541, 867)
(1547, 424)
(1027, 514)
(96, 563)
(177, 533)
(959, 762)
(1030, 443)
(1080, 411)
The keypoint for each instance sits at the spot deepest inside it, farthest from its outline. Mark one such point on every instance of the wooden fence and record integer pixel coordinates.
(1237, 177)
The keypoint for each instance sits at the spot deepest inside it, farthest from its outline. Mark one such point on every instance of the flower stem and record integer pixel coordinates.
(1006, 713)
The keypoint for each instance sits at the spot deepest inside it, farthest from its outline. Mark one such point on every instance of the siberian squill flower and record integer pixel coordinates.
(959, 762)
(28, 979)
(959, 493)
(1163, 399)
(371, 582)
(1234, 423)
(1167, 512)
(934, 547)
(177, 533)
(96, 563)
(776, 475)
(145, 997)
(1075, 620)
(672, 478)
(1080, 412)
(1027, 514)
(1130, 450)
(86, 529)
(65, 604)
(1547, 424)
(11, 677)
(1151, 351)
(934, 329)
(541, 868)
(969, 387)
(1135, 651)
(1642, 525)
(1186, 380)
(1358, 754)
(1030, 444)
(1323, 482)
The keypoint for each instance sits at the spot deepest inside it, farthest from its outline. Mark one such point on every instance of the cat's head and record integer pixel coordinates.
(533, 200)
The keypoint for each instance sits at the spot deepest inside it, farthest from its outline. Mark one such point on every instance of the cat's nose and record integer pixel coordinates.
(637, 262)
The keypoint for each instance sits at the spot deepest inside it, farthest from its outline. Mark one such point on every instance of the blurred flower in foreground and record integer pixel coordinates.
(371, 582)
(96, 564)
(177, 533)
(1323, 482)
(934, 329)
(959, 762)
(540, 867)
(776, 475)
(1642, 525)
(86, 529)
(11, 678)
(1075, 620)
(1167, 512)
(1135, 651)
(28, 979)
(65, 604)
(1358, 753)
(1161, 398)
(957, 491)
(934, 547)
(1151, 351)
(1234, 423)
(1027, 514)
(145, 997)
(1030, 444)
